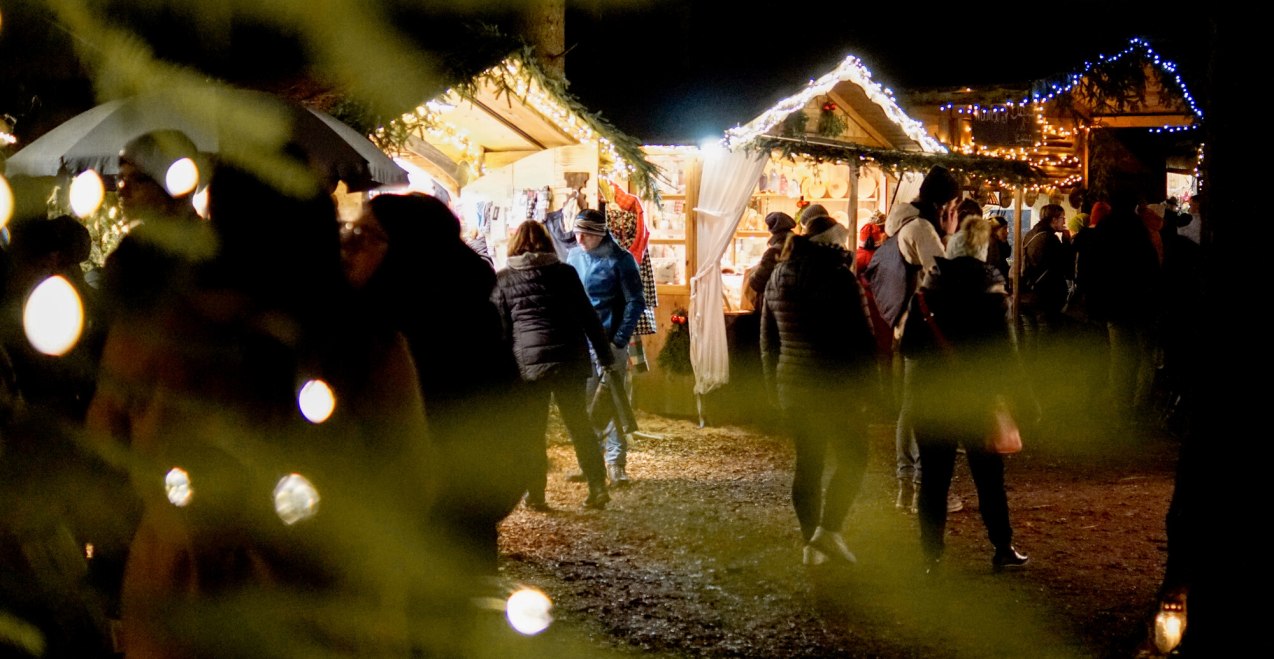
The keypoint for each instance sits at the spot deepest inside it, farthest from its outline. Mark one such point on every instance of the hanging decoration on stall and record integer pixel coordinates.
(674, 357)
(830, 123)
(794, 124)
(1005, 126)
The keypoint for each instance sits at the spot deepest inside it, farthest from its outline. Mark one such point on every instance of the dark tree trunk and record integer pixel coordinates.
(545, 28)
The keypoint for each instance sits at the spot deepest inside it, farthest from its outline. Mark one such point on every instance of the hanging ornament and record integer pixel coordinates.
(830, 123)
(674, 357)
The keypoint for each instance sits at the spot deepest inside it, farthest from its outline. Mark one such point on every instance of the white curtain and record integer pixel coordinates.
(729, 177)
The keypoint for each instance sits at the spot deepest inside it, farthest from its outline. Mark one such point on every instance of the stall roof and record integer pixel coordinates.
(512, 110)
(850, 85)
(1135, 87)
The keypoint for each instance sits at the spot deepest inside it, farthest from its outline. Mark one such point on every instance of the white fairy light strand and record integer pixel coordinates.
(852, 70)
(427, 117)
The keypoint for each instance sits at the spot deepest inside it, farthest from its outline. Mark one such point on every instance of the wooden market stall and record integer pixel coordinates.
(511, 145)
(843, 107)
(1127, 113)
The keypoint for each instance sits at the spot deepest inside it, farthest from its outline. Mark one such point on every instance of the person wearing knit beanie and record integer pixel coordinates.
(591, 222)
(780, 225)
(811, 213)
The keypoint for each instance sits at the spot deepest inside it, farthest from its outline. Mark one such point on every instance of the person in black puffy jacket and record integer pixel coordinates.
(549, 321)
(818, 354)
(959, 340)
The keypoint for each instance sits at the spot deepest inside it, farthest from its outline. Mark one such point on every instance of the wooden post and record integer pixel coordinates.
(1019, 200)
(853, 203)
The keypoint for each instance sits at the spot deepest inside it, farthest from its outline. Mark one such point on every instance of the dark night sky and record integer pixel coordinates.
(678, 71)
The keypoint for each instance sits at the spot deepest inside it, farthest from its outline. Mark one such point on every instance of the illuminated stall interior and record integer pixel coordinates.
(512, 145)
(1129, 108)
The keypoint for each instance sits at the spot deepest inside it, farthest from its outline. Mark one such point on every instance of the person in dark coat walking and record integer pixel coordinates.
(1124, 290)
(549, 321)
(956, 381)
(818, 353)
(428, 284)
(1048, 266)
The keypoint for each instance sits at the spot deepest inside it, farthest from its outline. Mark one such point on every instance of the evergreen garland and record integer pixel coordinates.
(830, 123)
(674, 357)
(794, 124)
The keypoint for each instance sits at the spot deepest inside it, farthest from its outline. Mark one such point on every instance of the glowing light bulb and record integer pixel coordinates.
(86, 193)
(1170, 625)
(177, 487)
(6, 201)
(295, 499)
(53, 316)
(200, 201)
(529, 611)
(316, 400)
(182, 177)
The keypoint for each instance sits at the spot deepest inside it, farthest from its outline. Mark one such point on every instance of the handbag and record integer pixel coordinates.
(1003, 436)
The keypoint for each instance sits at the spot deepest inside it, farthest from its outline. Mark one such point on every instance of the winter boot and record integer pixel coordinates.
(1008, 558)
(906, 494)
(618, 477)
(597, 496)
(831, 544)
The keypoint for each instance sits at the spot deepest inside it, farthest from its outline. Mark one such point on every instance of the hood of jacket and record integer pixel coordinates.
(898, 215)
(829, 233)
(806, 247)
(964, 272)
(532, 260)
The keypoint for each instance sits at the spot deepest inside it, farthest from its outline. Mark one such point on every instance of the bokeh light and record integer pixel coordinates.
(295, 499)
(529, 611)
(182, 177)
(316, 400)
(200, 201)
(6, 201)
(1170, 626)
(87, 192)
(53, 316)
(177, 487)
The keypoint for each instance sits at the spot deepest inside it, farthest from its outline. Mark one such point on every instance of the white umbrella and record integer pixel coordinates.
(229, 122)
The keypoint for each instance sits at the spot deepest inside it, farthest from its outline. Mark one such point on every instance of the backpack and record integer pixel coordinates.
(892, 279)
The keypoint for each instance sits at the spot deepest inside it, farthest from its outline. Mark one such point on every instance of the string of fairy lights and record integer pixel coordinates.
(850, 69)
(429, 120)
(1048, 151)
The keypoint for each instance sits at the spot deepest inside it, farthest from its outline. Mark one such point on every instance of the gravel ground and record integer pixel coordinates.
(700, 556)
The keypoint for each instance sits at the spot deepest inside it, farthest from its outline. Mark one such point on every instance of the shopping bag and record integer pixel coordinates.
(1004, 436)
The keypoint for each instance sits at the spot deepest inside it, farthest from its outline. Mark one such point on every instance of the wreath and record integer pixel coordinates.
(674, 357)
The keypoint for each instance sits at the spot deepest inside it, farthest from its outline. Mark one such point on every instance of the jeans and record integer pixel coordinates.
(905, 449)
(614, 442)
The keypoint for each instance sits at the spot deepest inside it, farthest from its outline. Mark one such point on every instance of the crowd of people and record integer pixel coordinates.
(925, 303)
(175, 460)
(178, 409)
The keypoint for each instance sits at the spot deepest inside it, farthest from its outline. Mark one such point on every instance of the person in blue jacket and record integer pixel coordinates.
(613, 283)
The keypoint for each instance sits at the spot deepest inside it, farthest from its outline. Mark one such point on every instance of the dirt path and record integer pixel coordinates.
(701, 556)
